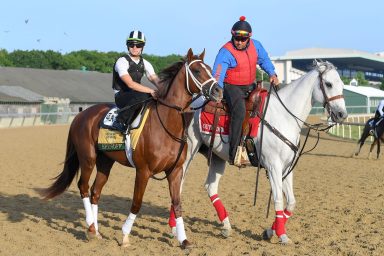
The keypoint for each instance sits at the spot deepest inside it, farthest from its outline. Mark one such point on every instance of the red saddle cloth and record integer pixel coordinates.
(254, 103)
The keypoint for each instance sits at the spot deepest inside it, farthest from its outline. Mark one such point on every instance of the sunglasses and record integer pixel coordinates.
(241, 38)
(138, 45)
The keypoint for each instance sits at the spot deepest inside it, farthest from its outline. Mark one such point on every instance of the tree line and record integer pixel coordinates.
(83, 60)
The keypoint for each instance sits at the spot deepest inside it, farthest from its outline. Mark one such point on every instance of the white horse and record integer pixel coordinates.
(323, 85)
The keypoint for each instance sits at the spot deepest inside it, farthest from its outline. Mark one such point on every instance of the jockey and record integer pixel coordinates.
(378, 115)
(127, 73)
(235, 71)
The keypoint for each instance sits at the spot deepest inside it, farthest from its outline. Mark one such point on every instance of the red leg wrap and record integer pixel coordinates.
(172, 218)
(279, 223)
(220, 209)
(287, 215)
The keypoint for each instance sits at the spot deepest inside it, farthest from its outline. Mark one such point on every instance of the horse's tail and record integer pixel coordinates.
(65, 178)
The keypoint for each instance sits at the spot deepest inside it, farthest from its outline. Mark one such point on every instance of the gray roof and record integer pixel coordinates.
(20, 92)
(343, 59)
(30, 84)
(367, 91)
(324, 53)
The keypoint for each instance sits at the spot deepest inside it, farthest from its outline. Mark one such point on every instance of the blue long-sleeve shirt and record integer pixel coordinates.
(226, 60)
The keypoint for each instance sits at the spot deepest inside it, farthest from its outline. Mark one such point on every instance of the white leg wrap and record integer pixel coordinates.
(180, 231)
(95, 210)
(127, 227)
(88, 211)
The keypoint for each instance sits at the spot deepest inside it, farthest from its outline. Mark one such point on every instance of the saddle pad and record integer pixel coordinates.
(135, 133)
(110, 117)
(110, 140)
(206, 122)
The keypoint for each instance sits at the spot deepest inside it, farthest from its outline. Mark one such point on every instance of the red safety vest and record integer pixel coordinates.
(245, 71)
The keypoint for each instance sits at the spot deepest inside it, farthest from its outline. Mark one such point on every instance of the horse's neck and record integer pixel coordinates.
(297, 97)
(177, 94)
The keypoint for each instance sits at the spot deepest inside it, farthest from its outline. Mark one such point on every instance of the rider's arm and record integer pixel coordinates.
(150, 73)
(121, 68)
(263, 59)
(223, 61)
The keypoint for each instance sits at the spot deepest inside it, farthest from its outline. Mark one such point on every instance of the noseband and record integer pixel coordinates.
(326, 98)
(194, 79)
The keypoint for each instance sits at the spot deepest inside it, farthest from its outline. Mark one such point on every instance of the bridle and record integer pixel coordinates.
(327, 100)
(194, 79)
(198, 84)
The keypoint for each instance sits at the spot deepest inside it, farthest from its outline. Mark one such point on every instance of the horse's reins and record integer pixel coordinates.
(183, 112)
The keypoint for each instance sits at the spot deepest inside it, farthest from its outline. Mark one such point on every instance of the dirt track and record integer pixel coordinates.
(340, 205)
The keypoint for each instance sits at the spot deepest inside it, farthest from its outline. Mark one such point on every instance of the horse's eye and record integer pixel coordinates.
(196, 72)
(328, 84)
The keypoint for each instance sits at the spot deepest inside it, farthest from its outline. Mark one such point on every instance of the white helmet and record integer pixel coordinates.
(136, 36)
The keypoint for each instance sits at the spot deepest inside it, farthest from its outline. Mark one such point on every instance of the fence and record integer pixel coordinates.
(35, 119)
(352, 127)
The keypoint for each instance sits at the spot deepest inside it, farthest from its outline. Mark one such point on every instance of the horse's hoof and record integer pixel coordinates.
(226, 232)
(186, 245)
(125, 243)
(226, 229)
(94, 235)
(284, 240)
(268, 234)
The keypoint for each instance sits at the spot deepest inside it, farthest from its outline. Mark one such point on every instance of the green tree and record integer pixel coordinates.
(346, 80)
(4, 60)
(360, 77)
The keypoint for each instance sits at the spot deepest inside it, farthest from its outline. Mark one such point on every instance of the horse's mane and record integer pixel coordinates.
(167, 76)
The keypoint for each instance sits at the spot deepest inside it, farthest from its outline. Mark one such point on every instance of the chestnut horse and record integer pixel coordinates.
(160, 147)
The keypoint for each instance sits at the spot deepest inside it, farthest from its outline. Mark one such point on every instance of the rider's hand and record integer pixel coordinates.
(274, 81)
(154, 94)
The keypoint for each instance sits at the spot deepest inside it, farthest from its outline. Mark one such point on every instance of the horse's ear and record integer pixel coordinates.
(190, 55)
(201, 56)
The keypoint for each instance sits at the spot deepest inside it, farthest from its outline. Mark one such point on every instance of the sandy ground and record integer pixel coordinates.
(339, 205)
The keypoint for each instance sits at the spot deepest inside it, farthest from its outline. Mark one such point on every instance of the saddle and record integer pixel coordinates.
(254, 105)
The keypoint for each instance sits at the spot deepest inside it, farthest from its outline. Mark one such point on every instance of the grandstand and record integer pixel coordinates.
(348, 62)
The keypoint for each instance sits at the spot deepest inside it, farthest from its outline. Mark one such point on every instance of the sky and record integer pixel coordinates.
(174, 26)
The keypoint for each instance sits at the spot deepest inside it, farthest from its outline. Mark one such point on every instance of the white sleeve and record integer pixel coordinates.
(122, 66)
(149, 71)
(381, 106)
